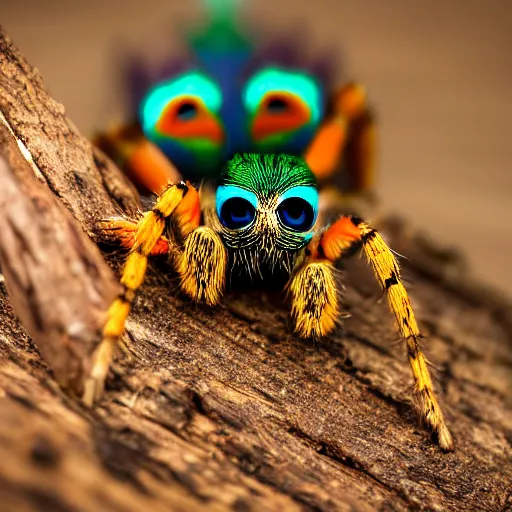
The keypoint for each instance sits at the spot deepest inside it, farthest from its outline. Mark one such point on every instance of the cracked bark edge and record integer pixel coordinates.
(86, 182)
(58, 281)
(62, 304)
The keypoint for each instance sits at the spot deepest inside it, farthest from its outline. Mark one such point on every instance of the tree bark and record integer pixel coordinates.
(222, 408)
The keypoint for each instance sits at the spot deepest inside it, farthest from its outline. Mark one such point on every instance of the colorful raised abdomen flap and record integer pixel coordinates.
(284, 109)
(182, 117)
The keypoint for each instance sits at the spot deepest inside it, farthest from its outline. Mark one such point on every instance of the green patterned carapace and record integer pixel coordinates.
(265, 174)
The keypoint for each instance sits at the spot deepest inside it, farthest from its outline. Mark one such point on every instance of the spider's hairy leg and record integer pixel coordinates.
(345, 139)
(325, 151)
(359, 155)
(314, 298)
(121, 232)
(140, 158)
(342, 236)
(147, 235)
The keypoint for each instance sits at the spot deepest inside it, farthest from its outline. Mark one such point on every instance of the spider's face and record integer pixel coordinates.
(267, 206)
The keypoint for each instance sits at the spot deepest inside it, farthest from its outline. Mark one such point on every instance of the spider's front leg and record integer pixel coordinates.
(342, 236)
(177, 206)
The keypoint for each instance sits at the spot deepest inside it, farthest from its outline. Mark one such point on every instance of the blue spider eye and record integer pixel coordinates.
(236, 206)
(297, 214)
(298, 208)
(237, 213)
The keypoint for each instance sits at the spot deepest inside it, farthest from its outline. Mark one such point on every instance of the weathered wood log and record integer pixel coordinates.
(223, 408)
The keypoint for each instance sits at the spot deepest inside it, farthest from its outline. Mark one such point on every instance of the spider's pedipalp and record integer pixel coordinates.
(201, 265)
(313, 293)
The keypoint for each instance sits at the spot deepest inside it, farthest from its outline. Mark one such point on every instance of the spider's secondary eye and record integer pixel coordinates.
(296, 214)
(237, 213)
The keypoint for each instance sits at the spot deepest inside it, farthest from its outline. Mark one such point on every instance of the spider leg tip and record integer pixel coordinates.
(445, 439)
(92, 392)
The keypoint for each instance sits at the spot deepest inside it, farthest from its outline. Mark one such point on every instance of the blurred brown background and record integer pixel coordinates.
(439, 73)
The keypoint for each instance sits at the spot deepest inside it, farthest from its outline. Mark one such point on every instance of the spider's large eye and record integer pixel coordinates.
(297, 214)
(237, 213)
(298, 208)
(280, 102)
(184, 108)
(236, 207)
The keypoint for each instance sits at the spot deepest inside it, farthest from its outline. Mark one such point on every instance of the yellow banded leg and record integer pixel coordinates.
(341, 237)
(313, 294)
(387, 271)
(147, 234)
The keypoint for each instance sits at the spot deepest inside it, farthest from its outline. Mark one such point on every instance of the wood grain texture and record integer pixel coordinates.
(223, 408)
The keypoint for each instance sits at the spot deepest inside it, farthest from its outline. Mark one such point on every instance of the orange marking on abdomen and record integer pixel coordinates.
(266, 123)
(204, 124)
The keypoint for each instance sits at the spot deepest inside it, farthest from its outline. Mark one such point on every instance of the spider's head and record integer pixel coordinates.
(267, 207)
